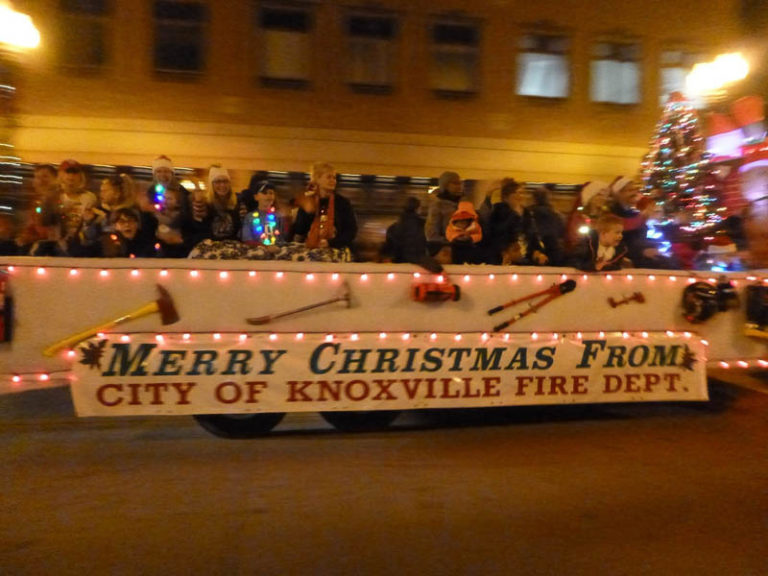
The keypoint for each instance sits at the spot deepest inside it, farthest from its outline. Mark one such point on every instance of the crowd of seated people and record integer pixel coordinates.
(605, 230)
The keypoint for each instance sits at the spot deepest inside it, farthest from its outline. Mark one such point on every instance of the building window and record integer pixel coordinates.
(455, 58)
(84, 34)
(180, 36)
(675, 66)
(285, 45)
(542, 66)
(615, 73)
(371, 52)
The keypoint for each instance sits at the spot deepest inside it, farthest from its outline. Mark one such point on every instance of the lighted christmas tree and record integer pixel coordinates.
(676, 167)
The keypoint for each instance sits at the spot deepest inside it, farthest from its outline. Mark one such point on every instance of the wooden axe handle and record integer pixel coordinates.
(74, 339)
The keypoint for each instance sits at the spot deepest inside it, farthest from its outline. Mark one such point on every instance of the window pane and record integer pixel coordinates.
(178, 48)
(180, 11)
(542, 66)
(454, 72)
(543, 75)
(285, 19)
(672, 80)
(371, 27)
(285, 55)
(615, 73)
(455, 57)
(284, 43)
(370, 62)
(370, 48)
(616, 82)
(83, 46)
(179, 36)
(675, 66)
(460, 34)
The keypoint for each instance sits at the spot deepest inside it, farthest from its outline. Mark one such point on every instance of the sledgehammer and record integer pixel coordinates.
(345, 295)
(164, 305)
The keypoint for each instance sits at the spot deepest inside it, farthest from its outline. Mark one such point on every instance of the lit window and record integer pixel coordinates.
(370, 52)
(455, 58)
(675, 66)
(180, 36)
(615, 73)
(542, 66)
(285, 45)
(84, 32)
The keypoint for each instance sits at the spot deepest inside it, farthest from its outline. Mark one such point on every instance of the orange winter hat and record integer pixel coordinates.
(465, 211)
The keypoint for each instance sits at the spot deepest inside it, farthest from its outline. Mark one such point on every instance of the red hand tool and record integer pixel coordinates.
(551, 293)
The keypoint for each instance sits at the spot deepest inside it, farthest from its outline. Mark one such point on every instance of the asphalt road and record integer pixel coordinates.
(646, 489)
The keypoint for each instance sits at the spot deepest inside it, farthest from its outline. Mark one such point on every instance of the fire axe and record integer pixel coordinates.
(163, 305)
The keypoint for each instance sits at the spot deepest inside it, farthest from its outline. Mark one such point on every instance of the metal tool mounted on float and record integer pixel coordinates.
(551, 293)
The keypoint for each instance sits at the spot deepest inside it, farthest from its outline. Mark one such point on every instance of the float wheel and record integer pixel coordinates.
(239, 425)
(362, 421)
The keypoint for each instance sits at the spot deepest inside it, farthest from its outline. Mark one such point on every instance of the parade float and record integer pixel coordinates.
(239, 343)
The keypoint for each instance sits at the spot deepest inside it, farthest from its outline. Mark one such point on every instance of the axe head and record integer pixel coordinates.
(166, 307)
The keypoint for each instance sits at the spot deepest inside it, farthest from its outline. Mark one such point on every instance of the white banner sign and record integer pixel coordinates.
(229, 373)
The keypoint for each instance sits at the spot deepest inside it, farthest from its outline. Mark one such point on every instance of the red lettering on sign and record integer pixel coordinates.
(672, 379)
(363, 392)
(491, 386)
(254, 388)
(297, 391)
(384, 392)
(637, 383)
(579, 384)
(101, 391)
(447, 389)
(136, 394)
(227, 392)
(651, 380)
(551, 385)
(631, 380)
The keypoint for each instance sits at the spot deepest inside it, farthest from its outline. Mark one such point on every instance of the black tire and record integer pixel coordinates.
(363, 421)
(239, 425)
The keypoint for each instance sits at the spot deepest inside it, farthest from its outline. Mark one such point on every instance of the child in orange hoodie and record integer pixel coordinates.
(464, 233)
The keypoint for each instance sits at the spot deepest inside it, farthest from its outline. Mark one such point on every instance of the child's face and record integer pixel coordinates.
(108, 194)
(172, 200)
(43, 180)
(265, 199)
(611, 236)
(71, 179)
(326, 181)
(164, 175)
(128, 227)
(462, 224)
(221, 187)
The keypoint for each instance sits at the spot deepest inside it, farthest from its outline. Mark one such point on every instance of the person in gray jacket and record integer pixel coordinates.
(441, 208)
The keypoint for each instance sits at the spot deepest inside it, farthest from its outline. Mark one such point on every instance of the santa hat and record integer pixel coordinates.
(162, 162)
(591, 189)
(217, 172)
(620, 183)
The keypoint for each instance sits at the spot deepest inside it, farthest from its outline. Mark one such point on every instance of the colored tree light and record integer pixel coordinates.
(676, 168)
